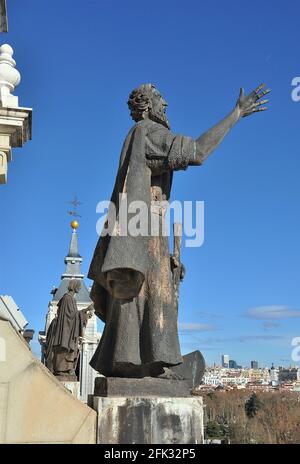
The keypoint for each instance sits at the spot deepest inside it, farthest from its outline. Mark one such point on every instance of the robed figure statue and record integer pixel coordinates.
(132, 290)
(65, 333)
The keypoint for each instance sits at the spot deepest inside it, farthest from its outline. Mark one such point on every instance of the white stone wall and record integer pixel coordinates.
(34, 406)
(87, 373)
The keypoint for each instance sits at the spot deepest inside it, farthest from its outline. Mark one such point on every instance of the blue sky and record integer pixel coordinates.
(79, 60)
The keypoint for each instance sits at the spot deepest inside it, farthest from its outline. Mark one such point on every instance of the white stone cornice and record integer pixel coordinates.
(15, 122)
(15, 131)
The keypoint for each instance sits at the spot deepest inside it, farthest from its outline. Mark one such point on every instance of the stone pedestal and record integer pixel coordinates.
(146, 411)
(156, 420)
(147, 386)
(73, 387)
(71, 383)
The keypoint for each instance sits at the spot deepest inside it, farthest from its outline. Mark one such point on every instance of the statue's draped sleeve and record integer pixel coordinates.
(166, 151)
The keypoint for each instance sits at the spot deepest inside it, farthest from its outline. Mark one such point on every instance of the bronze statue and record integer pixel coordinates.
(133, 290)
(65, 333)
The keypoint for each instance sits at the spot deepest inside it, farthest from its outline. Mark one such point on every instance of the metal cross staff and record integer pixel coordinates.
(177, 267)
(3, 17)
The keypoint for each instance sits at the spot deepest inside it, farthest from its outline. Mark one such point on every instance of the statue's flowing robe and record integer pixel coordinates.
(48, 350)
(69, 325)
(140, 335)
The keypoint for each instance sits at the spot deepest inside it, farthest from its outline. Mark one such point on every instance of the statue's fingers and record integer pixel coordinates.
(256, 110)
(258, 89)
(262, 94)
(262, 102)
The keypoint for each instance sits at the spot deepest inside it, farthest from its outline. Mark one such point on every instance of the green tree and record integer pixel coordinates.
(252, 405)
(214, 430)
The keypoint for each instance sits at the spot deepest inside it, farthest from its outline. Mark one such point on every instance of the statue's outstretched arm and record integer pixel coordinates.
(245, 105)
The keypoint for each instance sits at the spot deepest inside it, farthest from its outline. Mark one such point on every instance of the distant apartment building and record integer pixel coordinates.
(238, 380)
(211, 378)
(221, 376)
(215, 379)
(287, 375)
(254, 364)
(259, 375)
(225, 360)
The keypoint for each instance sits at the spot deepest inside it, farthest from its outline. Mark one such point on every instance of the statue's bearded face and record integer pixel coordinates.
(146, 101)
(157, 110)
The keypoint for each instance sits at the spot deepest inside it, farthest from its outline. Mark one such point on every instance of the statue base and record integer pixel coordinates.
(146, 411)
(147, 386)
(146, 420)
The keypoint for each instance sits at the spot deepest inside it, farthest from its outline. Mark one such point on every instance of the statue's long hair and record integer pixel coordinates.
(141, 100)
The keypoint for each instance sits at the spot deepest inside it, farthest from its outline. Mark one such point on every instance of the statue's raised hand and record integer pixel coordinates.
(252, 103)
(90, 310)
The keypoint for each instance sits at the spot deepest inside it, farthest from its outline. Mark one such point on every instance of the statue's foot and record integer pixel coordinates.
(170, 375)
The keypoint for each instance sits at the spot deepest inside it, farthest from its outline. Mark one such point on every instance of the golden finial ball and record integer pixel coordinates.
(74, 225)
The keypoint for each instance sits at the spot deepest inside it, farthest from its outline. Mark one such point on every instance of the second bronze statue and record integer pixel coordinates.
(65, 333)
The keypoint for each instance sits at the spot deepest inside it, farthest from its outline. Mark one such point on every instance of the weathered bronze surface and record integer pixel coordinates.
(134, 290)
